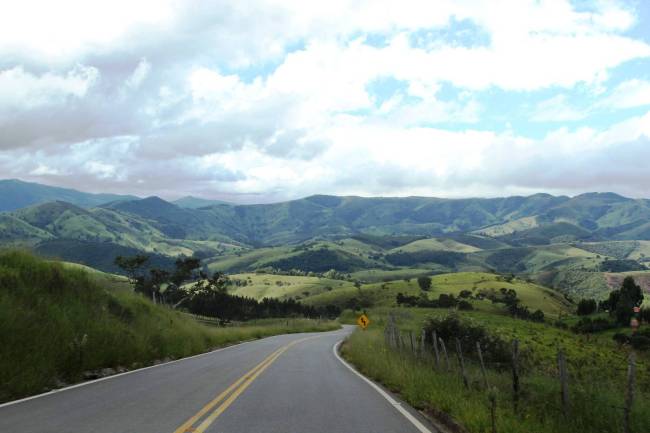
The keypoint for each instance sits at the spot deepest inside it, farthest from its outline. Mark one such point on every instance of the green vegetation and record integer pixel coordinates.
(61, 323)
(596, 365)
(581, 245)
(17, 194)
(262, 285)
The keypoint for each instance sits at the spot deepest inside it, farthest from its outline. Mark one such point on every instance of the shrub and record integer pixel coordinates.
(537, 316)
(424, 283)
(495, 350)
(640, 342)
(587, 325)
(621, 338)
(586, 307)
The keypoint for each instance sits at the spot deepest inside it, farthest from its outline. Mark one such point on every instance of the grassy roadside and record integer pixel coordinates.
(57, 323)
(596, 401)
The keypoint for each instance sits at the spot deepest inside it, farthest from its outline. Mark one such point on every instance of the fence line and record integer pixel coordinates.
(417, 347)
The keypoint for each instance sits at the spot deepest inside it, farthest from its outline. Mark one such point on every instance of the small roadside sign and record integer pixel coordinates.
(363, 321)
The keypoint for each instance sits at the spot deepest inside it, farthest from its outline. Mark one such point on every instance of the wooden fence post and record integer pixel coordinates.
(629, 395)
(396, 334)
(515, 374)
(435, 348)
(412, 342)
(564, 381)
(444, 352)
(423, 342)
(480, 358)
(492, 396)
(461, 362)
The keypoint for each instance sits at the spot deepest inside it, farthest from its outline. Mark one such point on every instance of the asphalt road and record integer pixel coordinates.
(282, 384)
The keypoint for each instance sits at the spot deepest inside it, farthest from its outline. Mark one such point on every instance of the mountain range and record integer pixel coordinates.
(486, 233)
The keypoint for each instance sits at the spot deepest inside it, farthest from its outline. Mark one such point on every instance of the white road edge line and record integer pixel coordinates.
(114, 376)
(418, 425)
(137, 370)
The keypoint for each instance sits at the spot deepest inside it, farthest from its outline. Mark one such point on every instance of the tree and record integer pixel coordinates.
(630, 296)
(158, 278)
(537, 316)
(424, 283)
(133, 268)
(447, 300)
(586, 307)
(185, 268)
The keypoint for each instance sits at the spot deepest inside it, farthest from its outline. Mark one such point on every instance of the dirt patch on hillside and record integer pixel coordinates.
(614, 281)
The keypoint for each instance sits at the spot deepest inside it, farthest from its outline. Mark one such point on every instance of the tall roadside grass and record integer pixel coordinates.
(596, 406)
(56, 323)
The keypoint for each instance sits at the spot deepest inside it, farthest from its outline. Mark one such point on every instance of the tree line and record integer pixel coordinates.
(191, 288)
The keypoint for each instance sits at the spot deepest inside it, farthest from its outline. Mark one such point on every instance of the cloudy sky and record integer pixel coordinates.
(265, 100)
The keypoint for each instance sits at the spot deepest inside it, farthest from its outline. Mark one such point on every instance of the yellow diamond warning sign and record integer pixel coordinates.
(363, 321)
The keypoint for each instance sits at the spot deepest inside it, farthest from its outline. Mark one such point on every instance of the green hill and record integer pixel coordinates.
(14, 231)
(190, 202)
(16, 194)
(324, 291)
(61, 323)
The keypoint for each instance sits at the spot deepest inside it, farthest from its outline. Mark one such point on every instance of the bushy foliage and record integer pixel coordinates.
(495, 350)
(587, 325)
(622, 302)
(424, 283)
(446, 258)
(621, 266)
(586, 307)
(639, 340)
(320, 260)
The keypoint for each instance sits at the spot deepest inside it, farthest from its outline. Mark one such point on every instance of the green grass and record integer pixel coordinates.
(597, 369)
(435, 245)
(245, 260)
(383, 294)
(377, 275)
(509, 227)
(531, 295)
(283, 286)
(58, 321)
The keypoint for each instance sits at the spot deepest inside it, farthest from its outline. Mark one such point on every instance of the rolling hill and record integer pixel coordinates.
(190, 202)
(16, 194)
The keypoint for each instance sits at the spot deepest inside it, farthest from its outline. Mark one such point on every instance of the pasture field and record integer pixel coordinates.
(261, 286)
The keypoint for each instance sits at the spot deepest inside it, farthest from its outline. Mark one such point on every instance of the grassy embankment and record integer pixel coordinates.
(597, 376)
(58, 321)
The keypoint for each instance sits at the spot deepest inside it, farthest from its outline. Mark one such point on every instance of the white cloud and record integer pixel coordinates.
(139, 74)
(278, 98)
(630, 93)
(20, 89)
(63, 30)
(556, 109)
(44, 170)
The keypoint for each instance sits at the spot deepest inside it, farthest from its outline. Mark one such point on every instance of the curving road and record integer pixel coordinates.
(283, 384)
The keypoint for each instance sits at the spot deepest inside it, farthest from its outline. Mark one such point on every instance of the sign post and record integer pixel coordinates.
(363, 321)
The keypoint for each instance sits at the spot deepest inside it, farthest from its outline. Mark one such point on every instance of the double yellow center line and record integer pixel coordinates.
(221, 402)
